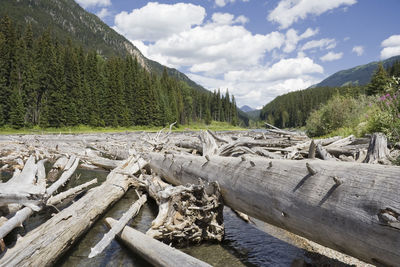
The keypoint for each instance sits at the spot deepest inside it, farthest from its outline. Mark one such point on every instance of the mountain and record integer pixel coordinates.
(68, 21)
(246, 108)
(360, 75)
(254, 114)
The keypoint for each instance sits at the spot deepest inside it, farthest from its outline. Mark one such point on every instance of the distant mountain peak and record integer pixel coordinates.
(246, 108)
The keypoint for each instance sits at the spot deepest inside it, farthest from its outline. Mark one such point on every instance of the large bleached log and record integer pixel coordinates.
(44, 245)
(351, 207)
(117, 228)
(153, 251)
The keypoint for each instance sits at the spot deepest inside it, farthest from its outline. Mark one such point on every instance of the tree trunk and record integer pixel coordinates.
(351, 207)
(117, 228)
(153, 251)
(378, 151)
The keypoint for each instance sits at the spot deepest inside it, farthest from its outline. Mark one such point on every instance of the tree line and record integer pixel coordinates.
(293, 109)
(51, 84)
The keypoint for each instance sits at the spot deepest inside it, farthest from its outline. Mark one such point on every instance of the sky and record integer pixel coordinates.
(257, 49)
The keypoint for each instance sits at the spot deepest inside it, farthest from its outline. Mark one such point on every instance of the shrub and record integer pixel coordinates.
(339, 112)
(386, 116)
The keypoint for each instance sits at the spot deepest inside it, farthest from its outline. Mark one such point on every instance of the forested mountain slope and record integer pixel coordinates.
(50, 83)
(67, 20)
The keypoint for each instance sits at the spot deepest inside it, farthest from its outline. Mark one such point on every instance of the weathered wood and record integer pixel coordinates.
(378, 151)
(22, 215)
(16, 221)
(324, 154)
(186, 214)
(44, 245)
(311, 150)
(64, 178)
(340, 205)
(117, 228)
(22, 189)
(219, 139)
(57, 199)
(210, 147)
(153, 251)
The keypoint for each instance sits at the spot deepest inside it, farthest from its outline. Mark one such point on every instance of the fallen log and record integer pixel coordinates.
(117, 228)
(350, 207)
(324, 154)
(64, 177)
(57, 199)
(45, 244)
(153, 251)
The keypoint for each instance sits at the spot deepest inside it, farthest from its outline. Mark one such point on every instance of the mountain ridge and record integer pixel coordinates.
(359, 75)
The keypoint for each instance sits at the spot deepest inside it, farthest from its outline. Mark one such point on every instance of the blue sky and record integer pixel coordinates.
(258, 49)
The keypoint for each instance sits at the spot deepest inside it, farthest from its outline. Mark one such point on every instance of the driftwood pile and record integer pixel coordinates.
(187, 214)
(276, 176)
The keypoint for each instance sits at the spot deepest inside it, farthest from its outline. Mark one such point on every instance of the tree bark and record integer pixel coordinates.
(153, 251)
(117, 228)
(350, 207)
(378, 151)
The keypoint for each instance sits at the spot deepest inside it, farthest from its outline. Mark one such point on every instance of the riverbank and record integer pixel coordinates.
(84, 129)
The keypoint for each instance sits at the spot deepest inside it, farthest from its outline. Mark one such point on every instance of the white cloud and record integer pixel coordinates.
(222, 3)
(228, 19)
(103, 13)
(215, 52)
(391, 47)
(216, 48)
(321, 44)
(331, 56)
(292, 38)
(282, 70)
(92, 3)
(290, 11)
(358, 49)
(156, 21)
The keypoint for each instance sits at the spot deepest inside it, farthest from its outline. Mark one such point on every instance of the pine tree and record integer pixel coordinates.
(17, 110)
(379, 81)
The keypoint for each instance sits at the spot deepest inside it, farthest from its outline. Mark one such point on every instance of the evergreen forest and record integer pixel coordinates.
(46, 83)
(294, 108)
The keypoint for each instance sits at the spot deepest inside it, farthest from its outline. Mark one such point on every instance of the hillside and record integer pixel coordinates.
(68, 21)
(360, 75)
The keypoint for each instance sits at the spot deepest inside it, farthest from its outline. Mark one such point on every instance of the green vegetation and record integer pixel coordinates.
(214, 126)
(328, 111)
(47, 84)
(340, 114)
(380, 112)
(292, 109)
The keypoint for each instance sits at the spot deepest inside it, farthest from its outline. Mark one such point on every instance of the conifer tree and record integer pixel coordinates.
(17, 110)
(378, 82)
